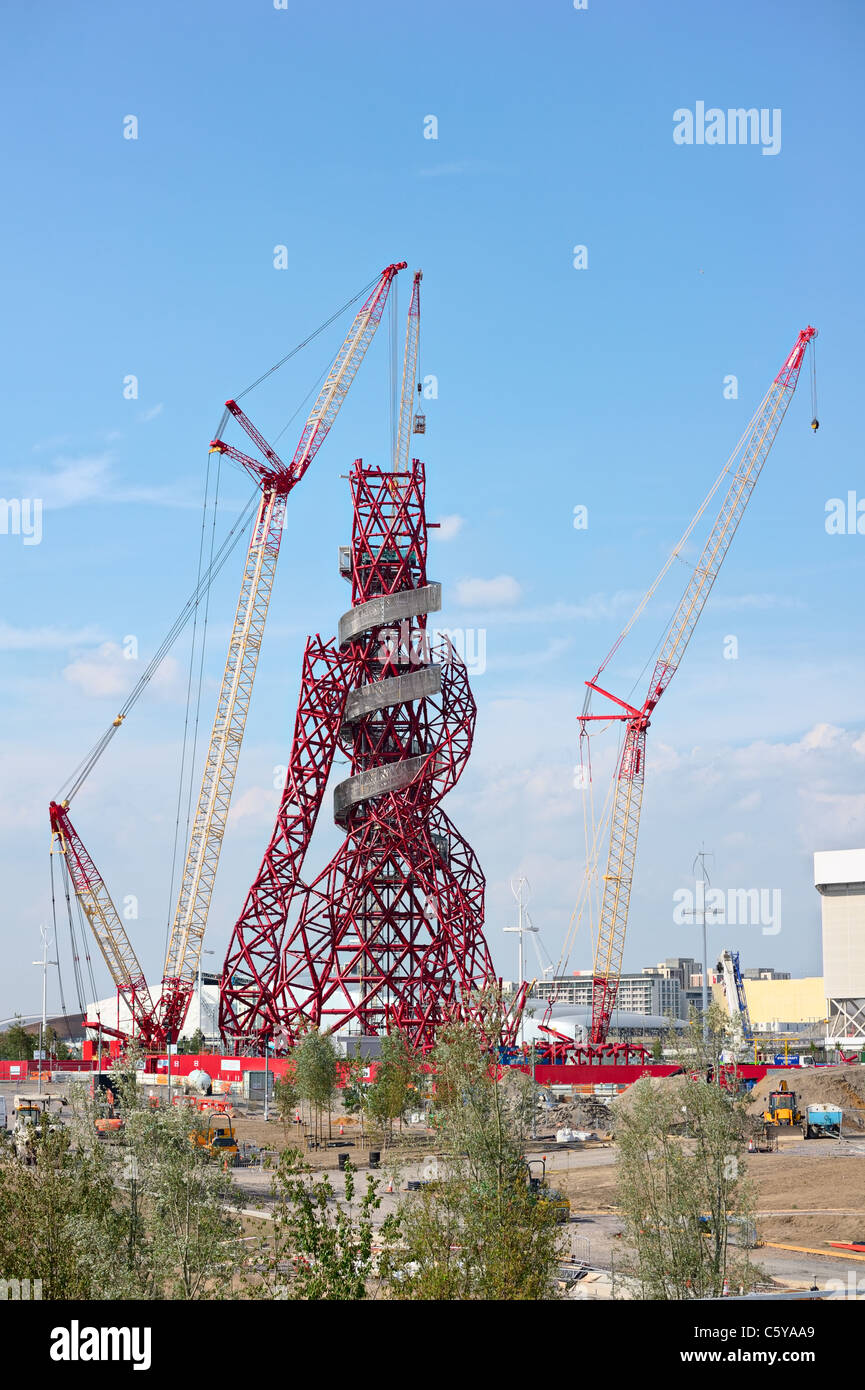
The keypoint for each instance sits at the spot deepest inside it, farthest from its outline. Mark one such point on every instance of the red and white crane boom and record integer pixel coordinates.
(276, 481)
(162, 1023)
(744, 467)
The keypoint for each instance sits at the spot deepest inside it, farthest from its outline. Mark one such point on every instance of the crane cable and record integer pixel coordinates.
(183, 780)
(74, 782)
(74, 957)
(202, 589)
(673, 555)
(393, 382)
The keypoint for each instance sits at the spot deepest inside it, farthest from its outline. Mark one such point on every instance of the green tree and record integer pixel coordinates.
(355, 1089)
(476, 1231)
(315, 1074)
(174, 1228)
(42, 1210)
(194, 1045)
(16, 1044)
(54, 1045)
(681, 1173)
(319, 1247)
(285, 1098)
(397, 1084)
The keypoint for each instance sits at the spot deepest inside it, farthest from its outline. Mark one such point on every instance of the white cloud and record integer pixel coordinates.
(57, 441)
(256, 805)
(167, 679)
(152, 413)
(448, 527)
(72, 481)
(91, 478)
(737, 602)
(822, 736)
(859, 745)
(596, 606)
(108, 671)
(23, 639)
(102, 672)
(502, 590)
(530, 660)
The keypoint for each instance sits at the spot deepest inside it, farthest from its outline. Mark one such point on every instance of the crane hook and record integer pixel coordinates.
(815, 423)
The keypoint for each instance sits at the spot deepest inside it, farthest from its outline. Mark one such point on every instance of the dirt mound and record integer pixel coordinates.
(668, 1084)
(843, 1086)
(586, 1112)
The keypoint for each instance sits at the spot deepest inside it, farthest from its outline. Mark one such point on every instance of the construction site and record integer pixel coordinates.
(389, 939)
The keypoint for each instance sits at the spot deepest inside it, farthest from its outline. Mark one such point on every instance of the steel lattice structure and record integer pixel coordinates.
(742, 472)
(390, 934)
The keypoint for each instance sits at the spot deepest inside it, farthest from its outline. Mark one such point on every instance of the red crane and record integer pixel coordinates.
(162, 1022)
(743, 470)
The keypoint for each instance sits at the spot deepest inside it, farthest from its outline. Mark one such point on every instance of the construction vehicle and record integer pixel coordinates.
(782, 1111)
(108, 1119)
(32, 1119)
(219, 1137)
(734, 992)
(823, 1121)
(546, 1195)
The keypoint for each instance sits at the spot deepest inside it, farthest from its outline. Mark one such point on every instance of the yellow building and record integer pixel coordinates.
(784, 1006)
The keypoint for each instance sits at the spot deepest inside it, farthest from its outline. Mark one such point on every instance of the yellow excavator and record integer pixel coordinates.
(782, 1111)
(219, 1138)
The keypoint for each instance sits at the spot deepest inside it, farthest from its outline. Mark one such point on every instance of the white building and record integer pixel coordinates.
(204, 1014)
(839, 877)
(653, 994)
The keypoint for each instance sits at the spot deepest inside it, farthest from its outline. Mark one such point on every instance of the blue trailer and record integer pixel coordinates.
(823, 1122)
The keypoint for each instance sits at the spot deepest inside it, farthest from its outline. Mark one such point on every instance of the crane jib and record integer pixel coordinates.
(208, 830)
(162, 1022)
(753, 450)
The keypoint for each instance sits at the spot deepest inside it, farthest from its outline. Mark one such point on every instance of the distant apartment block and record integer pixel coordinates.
(638, 994)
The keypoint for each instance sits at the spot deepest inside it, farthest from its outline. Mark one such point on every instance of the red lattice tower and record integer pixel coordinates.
(390, 934)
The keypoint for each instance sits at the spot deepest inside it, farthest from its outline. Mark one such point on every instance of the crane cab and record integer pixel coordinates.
(419, 422)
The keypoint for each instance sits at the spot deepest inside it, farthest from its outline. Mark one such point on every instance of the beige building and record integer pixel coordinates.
(839, 877)
(788, 1006)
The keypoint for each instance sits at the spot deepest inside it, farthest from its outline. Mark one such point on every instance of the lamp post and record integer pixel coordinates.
(700, 913)
(522, 926)
(44, 962)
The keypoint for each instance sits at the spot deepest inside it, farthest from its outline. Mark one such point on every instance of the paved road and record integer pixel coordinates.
(595, 1238)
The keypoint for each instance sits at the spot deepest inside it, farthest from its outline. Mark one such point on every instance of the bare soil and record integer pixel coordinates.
(842, 1086)
(803, 1177)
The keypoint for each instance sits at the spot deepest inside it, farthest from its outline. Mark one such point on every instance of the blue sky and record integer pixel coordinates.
(557, 387)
